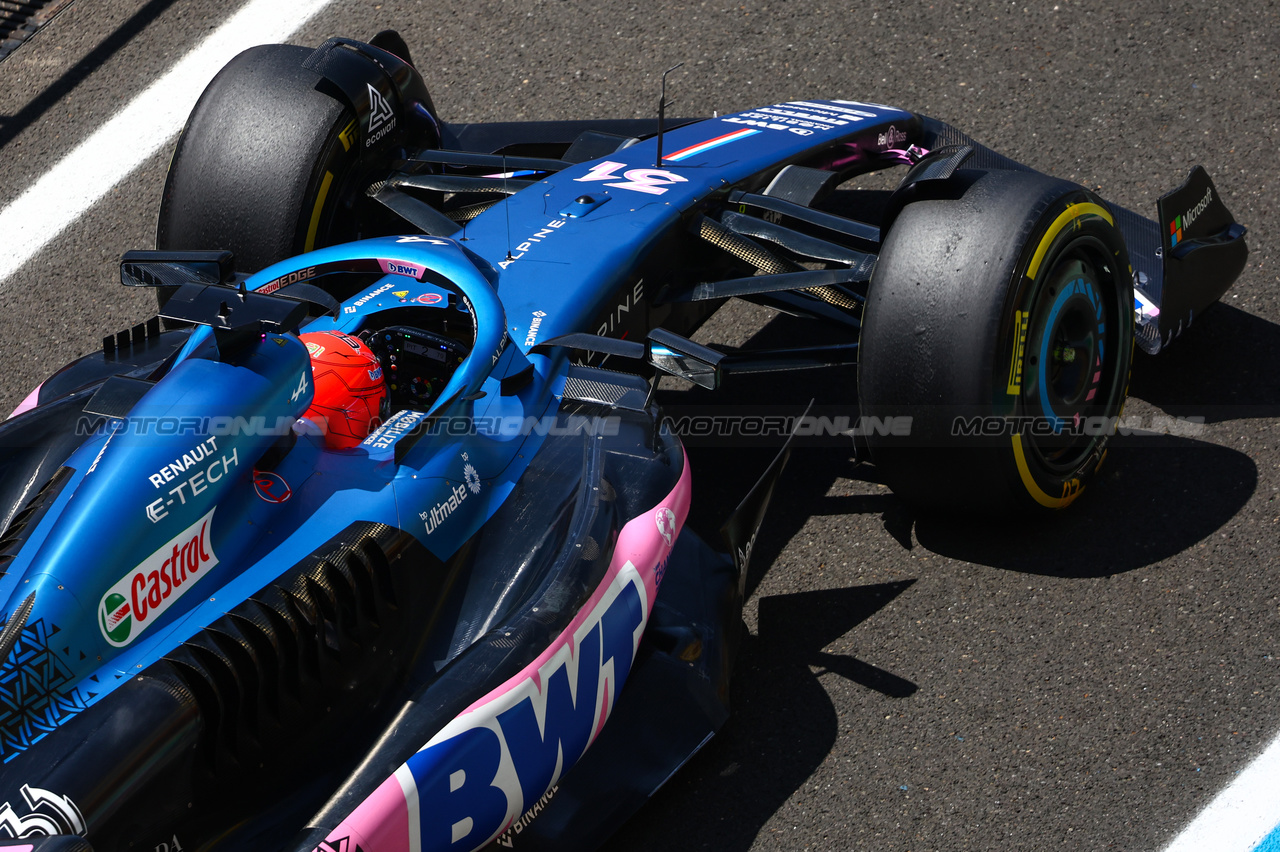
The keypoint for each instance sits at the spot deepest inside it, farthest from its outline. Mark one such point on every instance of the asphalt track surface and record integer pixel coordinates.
(1088, 682)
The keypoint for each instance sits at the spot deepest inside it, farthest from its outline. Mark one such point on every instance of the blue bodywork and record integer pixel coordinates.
(200, 554)
(535, 253)
(167, 518)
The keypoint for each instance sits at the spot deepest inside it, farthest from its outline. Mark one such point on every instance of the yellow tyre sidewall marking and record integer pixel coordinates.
(348, 136)
(314, 225)
(1073, 213)
(1033, 488)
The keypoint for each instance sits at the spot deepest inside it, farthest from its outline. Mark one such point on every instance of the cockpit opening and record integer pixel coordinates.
(416, 363)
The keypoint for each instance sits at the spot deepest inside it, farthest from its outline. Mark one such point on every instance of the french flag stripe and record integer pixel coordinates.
(683, 153)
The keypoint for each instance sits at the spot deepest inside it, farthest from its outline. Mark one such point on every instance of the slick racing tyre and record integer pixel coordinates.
(999, 320)
(265, 164)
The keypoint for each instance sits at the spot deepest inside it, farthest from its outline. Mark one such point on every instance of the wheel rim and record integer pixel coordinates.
(1073, 364)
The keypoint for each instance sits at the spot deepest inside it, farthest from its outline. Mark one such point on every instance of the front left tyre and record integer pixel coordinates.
(266, 164)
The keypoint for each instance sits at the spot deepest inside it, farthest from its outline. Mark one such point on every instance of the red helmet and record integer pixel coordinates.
(350, 394)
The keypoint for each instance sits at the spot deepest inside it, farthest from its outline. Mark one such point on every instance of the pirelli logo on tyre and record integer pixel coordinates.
(1019, 348)
(348, 136)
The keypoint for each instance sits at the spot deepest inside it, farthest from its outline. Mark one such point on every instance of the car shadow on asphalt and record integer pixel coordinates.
(783, 721)
(783, 724)
(1159, 495)
(1224, 368)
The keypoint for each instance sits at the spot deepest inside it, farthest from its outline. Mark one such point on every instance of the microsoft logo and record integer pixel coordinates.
(1185, 220)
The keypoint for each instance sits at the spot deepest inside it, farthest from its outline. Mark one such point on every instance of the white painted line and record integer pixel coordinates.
(149, 123)
(1242, 815)
(1270, 843)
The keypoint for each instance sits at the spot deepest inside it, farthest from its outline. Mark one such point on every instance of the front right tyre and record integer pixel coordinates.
(999, 320)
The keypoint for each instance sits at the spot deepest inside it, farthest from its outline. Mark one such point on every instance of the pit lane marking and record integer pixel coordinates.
(1241, 818)
(150, 122)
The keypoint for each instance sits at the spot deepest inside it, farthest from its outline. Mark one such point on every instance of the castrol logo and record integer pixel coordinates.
(139, 598)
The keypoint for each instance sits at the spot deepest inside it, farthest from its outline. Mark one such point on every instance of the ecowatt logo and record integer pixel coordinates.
(381, 117)
(139, 598)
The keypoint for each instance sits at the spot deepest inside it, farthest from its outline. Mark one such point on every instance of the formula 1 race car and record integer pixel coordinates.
(232, 623)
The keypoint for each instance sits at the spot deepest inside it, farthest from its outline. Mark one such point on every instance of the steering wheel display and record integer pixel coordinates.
(417, 363)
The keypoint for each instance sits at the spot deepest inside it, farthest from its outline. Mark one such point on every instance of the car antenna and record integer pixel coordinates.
(662, 111)
(506, 205)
